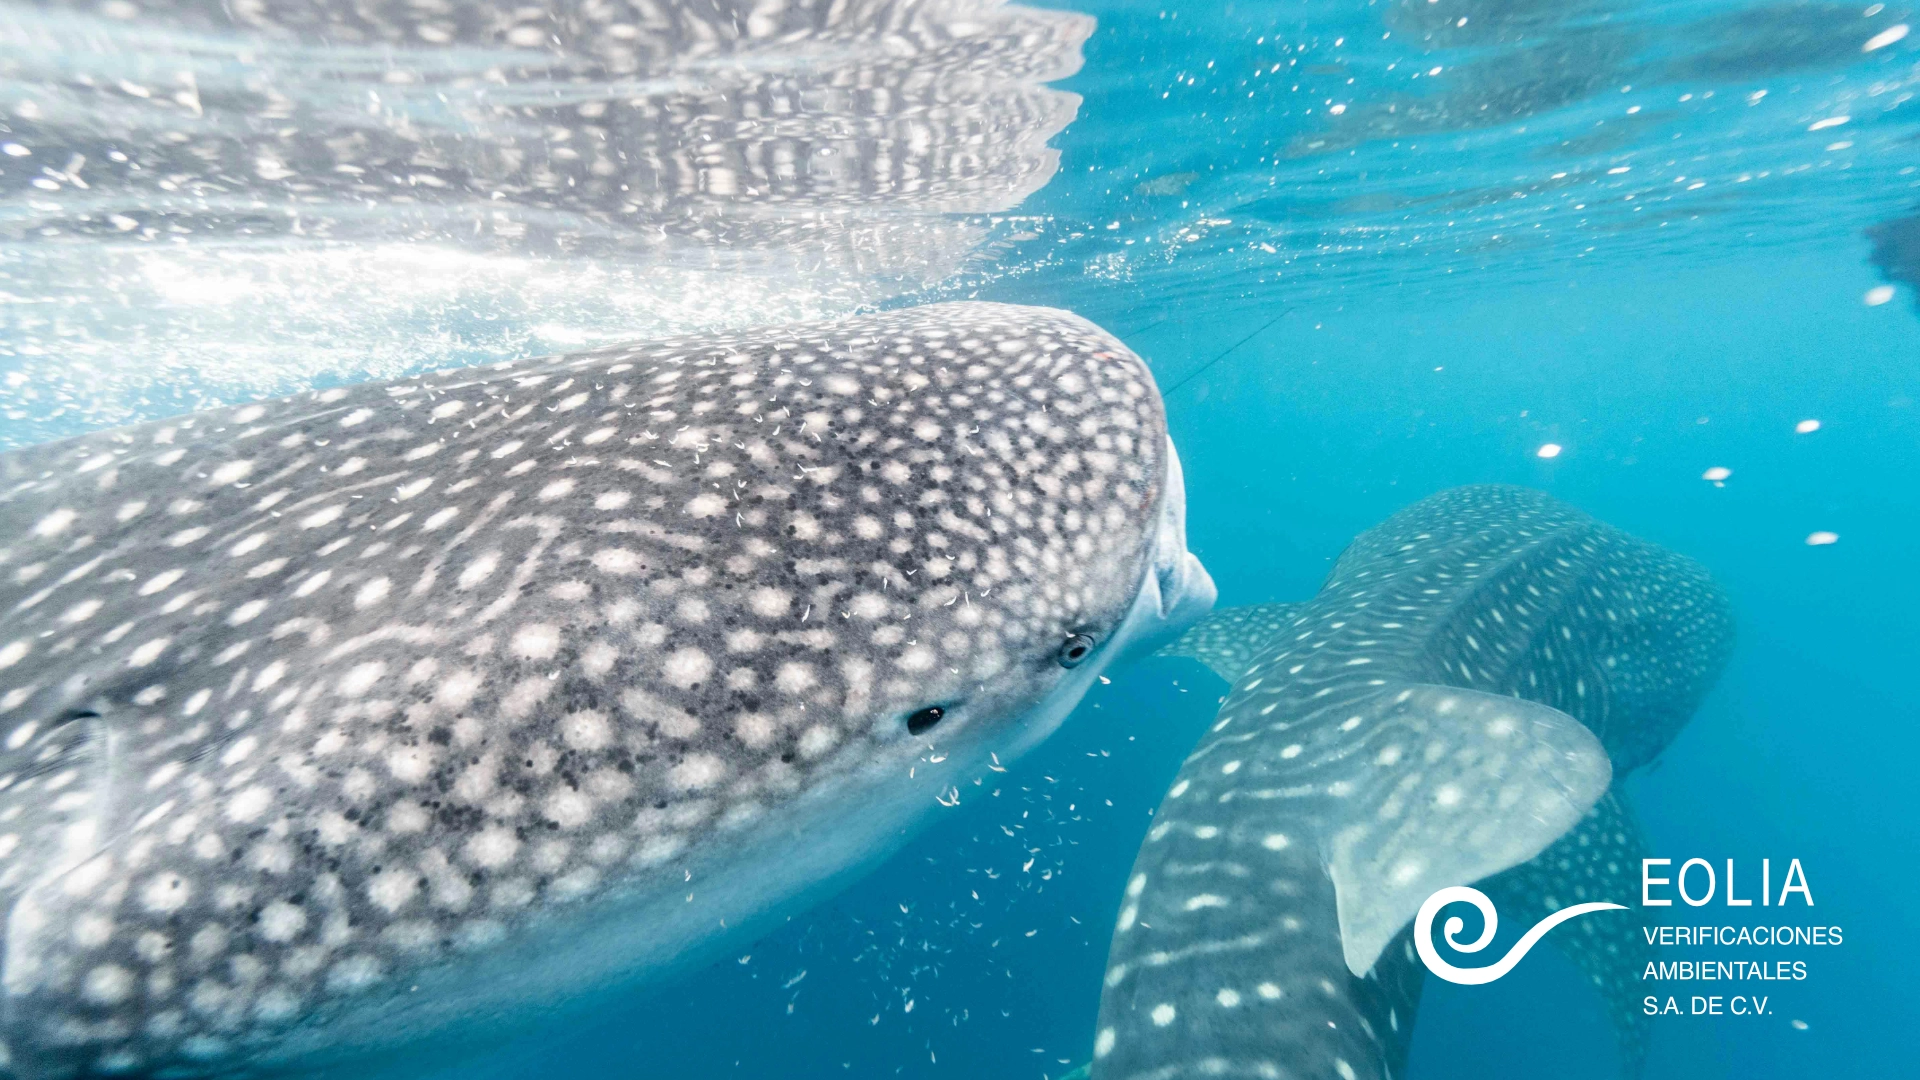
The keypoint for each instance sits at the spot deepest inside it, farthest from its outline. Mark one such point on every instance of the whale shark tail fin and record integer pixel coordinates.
(1597, 860)
(1441, 786)
(1227, 640)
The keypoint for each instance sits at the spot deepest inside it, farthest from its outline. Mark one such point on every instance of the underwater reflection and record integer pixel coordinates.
(253, 196)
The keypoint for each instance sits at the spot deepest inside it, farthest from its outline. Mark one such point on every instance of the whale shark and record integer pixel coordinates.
(1452, 705)
(388, 711)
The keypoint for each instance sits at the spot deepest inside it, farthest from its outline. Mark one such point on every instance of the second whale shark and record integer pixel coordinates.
(1451, 705)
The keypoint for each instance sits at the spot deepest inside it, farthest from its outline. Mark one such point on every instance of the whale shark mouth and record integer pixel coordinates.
(1176, 589)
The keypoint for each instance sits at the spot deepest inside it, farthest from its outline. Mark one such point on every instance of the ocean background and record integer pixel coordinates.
(1371, 250)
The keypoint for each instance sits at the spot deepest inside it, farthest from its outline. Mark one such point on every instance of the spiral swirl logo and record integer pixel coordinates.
(1423, 934)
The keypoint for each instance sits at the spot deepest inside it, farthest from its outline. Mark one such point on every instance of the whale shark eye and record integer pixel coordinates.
(1075, 649)
(924, 719)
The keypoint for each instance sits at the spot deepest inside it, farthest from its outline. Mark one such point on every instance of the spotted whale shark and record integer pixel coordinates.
(337, 722)
(1450, 708)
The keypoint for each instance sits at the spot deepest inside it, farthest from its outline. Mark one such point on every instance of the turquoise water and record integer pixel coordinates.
(1638, 233)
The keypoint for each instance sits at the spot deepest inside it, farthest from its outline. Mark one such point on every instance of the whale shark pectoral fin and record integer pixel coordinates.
(1598, 859)
(55, 798)
(1228, 639)
(1449, 786)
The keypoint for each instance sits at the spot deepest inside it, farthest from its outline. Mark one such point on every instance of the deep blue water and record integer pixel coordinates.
(1348, 312)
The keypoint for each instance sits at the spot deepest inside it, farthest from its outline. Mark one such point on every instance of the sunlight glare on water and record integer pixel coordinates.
(273, 196)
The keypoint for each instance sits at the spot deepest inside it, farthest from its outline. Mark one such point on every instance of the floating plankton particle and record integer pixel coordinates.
(1548, 450)
(1878, 295)
(1717, 474)
(1807, 427)
(1821, 539)
(1880, 41)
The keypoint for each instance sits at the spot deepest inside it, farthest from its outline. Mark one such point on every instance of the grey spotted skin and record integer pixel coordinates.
(1228, 641)
(1456, 699)
(342, 721)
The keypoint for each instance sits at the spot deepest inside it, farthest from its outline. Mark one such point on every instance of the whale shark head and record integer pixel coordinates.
(337, 720)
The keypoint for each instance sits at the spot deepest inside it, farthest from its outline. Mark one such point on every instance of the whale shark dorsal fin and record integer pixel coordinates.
(1453, 785)
(1227, 640)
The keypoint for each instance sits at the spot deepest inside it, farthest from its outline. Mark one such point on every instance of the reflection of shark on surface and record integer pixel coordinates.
(283, 191)
(1450, 706)
(560, 127)
(334, 722)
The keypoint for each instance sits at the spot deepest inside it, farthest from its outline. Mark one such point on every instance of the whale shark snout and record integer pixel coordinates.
(1177, 590)
(1185, 589)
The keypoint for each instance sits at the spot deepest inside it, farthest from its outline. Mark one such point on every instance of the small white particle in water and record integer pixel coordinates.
(1806, 427)
(1548, 450)
(1881, 40)
(1878, 295)
(1821, 539)
(1717, 474)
